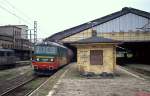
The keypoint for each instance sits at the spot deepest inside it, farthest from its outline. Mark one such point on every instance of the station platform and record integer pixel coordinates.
(123, 83)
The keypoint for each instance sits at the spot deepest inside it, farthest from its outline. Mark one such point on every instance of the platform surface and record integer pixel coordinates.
(123, 84)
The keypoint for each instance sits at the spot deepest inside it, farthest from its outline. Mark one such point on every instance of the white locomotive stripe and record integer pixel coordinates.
(125, 70)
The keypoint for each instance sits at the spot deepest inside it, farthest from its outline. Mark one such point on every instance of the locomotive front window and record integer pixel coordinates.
(45, 49)
(51, 49)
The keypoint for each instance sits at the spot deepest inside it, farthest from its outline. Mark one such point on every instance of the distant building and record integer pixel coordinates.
(24, 31)
(7, 36)
(15, 37)
(6, 41)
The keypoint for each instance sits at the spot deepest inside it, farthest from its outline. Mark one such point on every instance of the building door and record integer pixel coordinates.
(96, 57)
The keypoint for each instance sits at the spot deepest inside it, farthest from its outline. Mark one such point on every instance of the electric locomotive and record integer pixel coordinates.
(50, 56)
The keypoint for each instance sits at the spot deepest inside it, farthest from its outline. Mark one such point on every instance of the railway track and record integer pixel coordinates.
(22, 85)
(5, 93)
(139, 71)
(9, 85)
(26, 84)
(25, 88)
(46, 86)
(6, 75)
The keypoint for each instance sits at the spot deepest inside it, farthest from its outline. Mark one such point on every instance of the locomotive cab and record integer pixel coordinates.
(49, 57)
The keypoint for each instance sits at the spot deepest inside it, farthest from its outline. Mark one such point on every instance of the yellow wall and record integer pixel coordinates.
(83, 58)
(78, 36)
(126, 36)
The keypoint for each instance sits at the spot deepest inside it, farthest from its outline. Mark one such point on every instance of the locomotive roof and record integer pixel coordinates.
(50, 44)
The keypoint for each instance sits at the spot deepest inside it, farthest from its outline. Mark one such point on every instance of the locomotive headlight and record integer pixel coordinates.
(37, 59)
(51, 59)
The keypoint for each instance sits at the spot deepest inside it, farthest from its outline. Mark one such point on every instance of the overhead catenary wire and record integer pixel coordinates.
(14, 14)
(11, 9)
(17, 9)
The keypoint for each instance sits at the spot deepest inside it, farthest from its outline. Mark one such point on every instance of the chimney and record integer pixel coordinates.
(94, 33)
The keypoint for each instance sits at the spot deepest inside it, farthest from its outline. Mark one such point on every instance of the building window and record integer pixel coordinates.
(2, 54)
(96, 57)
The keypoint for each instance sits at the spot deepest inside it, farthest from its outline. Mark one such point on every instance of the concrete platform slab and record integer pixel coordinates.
(123, 84)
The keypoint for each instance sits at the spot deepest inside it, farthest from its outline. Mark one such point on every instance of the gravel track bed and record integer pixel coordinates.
(9, 74)
(27, 88)
(10, 84)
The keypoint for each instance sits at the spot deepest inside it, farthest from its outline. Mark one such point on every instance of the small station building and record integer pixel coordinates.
(96, 55)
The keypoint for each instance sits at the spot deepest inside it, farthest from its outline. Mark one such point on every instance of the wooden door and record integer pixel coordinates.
(96, 57)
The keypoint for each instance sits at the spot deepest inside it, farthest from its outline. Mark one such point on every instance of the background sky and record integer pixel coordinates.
(54, 16)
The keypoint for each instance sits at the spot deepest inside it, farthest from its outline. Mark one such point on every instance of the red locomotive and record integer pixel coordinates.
(49, 56)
